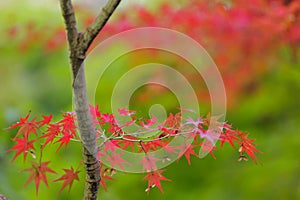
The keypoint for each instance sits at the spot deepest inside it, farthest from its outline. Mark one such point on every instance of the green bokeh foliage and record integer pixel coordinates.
(39, 81)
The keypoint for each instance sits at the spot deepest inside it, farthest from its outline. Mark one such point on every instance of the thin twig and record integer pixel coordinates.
(93, 30)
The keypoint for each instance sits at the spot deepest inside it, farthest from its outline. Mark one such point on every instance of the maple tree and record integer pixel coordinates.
(36, 134)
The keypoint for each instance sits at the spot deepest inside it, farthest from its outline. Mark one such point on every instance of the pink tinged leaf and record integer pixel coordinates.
(194, 123)
(211, 136)
(116, 161)
(125, 112)
(170, 149)
(186, 110)
(149, 162)
(214, 123)
(128, 123)
(111, 145)
(101, 155)
(149, 123)
(192, 135)
(207, 147)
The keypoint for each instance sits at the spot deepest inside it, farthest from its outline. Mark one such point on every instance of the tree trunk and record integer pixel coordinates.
(78, 45)
(88, 135)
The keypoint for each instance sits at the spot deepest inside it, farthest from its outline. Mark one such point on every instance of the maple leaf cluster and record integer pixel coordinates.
(194, 134)
(45, 132)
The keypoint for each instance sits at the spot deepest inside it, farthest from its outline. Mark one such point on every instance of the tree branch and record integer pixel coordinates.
(93, 30)
(70, 21)
(72, 35)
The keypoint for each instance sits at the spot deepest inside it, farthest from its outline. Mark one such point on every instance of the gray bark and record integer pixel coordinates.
(78, 45)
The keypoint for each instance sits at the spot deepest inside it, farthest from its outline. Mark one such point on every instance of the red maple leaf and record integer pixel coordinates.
(22, 146)
(188, 151)
(46, 120)
(38, 173)
(68, 124)
(26, 126)
(94, 110)
(106, 118)
(114, 128)
(65, 139)
(127, 142)
(228, 136)
(21, 122)
(171, 124)
(104, 177)
(154, 179)
(151, 145)
(248, 146)
(173, 121)
(68, 178)
(52, 131)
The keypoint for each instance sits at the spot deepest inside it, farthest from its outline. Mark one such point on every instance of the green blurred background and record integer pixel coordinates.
(35, 76)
